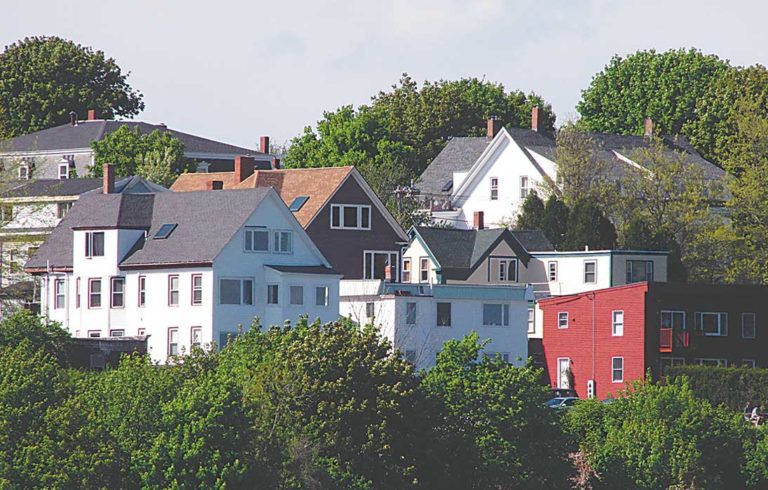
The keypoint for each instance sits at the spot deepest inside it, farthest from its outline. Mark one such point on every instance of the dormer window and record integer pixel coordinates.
(94, 244)
(63, 170)
(24, 171)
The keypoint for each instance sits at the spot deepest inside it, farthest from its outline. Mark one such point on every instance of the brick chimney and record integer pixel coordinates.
(73, 118)
(264, 144)
(108, 179)
(479, 223)
(243, 168)
(493, 127)
(535, 118)
(91, 114)
(275, 163)
(214, 185)
(648, 131)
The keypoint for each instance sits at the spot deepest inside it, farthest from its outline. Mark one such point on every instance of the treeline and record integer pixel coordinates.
(330, 406)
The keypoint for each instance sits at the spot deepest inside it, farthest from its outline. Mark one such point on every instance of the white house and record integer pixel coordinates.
(182, 269)
(419, 319)
(495, 173)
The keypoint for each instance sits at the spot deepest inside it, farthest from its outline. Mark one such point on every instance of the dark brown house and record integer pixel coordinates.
(335, 205)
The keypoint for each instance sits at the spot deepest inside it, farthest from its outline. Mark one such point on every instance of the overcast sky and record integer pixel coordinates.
(234, 70)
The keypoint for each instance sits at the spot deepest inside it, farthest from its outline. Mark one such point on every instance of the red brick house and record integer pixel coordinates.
(596, 342)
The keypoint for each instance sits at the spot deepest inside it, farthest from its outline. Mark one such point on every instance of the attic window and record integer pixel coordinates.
(298, 203)
(447, 186)
(164, 231)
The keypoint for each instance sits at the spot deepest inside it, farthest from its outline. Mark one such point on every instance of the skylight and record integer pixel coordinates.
(164, 231)
(448, 186)
(298, 203)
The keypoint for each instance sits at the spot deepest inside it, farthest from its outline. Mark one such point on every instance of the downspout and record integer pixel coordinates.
(594, 300)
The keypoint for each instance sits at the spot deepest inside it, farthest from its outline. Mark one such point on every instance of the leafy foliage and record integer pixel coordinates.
(734, 387)
(42, 79)
(663, 86)
(589, 227)
(44, 336)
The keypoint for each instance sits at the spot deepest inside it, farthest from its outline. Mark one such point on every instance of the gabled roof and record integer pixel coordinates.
(206, 222)
(458, 155)
(459, 252)
(69, 137)
(76, 187)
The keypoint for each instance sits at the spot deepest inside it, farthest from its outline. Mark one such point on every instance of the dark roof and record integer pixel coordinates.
(460, 251)
(76, 187)
(69, 137)
(303, 269)
(206, 223)
(458, 155)
(533, 240)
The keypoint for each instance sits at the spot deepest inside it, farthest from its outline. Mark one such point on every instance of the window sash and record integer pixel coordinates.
(443, 314)
(173, 290)
(639, 271)
(59, 296)
(494, 188)
(142, 290)
(94, 244)
(562, 319)
(173, 341)
(230, 292)
(283, 242)
(296, 294)
(118, 292)
(712, 324)
(406, 270)
(321, 296)
(197, 289)
(495, 314)
(94, 293)
(617, 323)
(590, 272)
(748, 325)
(410, 313)
(273, 292)
(256, 240)
(552, 268)
(673, 319)
(617, 369)
(196, 337)
(351, 216)
(370, 310)
(424, 270)
(531, 320)
(524, 186)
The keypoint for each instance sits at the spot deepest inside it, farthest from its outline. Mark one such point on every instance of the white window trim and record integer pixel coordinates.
(177, 343)
(525, 189)
(614, 331)
(251, 229)
(421, 269)
(193, 289)
(560, 374)
(503, 263)
(65, 175)
(59, 291)
(584, 271)
(278, 233)
(171, 290)
(613, 379)
(559, 323)
(327, 295)
(409, 271)
(112, 281)
(532, 320)
(719, 314)
(552, 271)
(754, 325)
(359, 207)
(389, 253)
(493, 184)
(721, 362)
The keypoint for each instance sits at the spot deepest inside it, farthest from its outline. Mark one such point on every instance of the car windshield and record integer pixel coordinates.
(555, 402)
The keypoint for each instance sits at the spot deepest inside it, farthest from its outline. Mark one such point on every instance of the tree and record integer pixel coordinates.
(556, 221)
(157, 155)
(715, 130)
(531, 215)
(589, 227)
(43, 79)
(44, 336)
(663, 86)
(581, 172)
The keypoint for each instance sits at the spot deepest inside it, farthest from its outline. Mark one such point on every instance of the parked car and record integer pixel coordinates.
(562, 402)
(564, 393)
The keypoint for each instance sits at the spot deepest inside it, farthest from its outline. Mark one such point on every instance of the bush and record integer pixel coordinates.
(732, 387)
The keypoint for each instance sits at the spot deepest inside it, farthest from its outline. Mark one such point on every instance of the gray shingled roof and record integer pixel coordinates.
(69, 137)
(76, 187)
(206, 221)
(533, 240)
(460, 154)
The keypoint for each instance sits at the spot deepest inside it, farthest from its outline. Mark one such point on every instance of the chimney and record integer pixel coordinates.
(108, 182)
(388, 273)
(91, 114)
(479, 220)
(264, 144)
(493, 127)
(275, 163)
(535, 118)
(214, 185)
(243, 168)
(73, 118)
(648, 132)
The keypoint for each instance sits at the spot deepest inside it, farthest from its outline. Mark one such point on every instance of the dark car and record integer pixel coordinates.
(564, 393)
(562, 403)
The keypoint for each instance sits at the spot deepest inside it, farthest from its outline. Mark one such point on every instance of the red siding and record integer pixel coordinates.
(591, 352)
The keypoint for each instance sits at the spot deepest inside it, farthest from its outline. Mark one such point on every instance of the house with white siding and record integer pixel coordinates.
(181, 269)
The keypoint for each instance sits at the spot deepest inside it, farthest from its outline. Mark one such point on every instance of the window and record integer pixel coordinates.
(63, 170)
(297, 295)
(236, 291)
(406, 270)
(273, 296)
(197, 289)
(94, 293)
(590, 271)
(668, 362)
(748, 325)
(94, 334)
(321, 296)
(117, 333)
(750, 363)
(712, 362)
(531, 320)
(142, 290)
(94, 244)
(283, 242)
(173, 290)
(173, 341)
(410, 313)
(350, 216)
(58, 291)
(617, 323)
(375, 264)
(164, 231)
(24, 171)
(256, 240)
(639, 271)
(443, 314)
(77, 293)
(370, 310)
(196, 337)
(552, 270)
(562, 319)
(507, 270)
(673, 319)
(712, 324)
(62, 209)
(504, 356)
(118, 292)
(617, 369)
(496, 314)
(494, 188)
(563, 372)
(524, 187)
(423, 269)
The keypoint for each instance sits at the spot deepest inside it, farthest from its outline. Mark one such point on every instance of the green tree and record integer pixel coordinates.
(42, 79)
(581, 172)
(555, 223)
(156, 155)
(589, 227)
(531, 215)
(716, 131)
(663, 86)
(42, 335)
(510, 439)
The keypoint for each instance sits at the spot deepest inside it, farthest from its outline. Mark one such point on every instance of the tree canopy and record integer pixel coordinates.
(43, 79)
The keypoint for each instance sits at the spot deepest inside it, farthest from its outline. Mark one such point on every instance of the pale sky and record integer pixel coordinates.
(234, 70)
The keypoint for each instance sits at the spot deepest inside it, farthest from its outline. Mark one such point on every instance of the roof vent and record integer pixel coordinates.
(73, 118)
(164, 231)
(298, 203)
